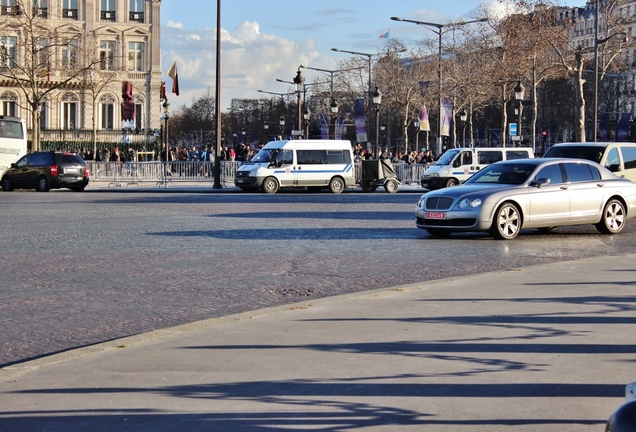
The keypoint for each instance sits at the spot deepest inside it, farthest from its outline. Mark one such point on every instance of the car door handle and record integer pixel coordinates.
(565, 187)
(600, 184)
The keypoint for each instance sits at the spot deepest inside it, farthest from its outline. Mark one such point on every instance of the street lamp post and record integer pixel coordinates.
(166, 117)
(334, 111)
(377, 100)
(416, 123)
(266, 127)
(299, 81)
(217, 102)
(519, 93)
(306, 117)
(439, 30)
(463, 116)
(281, 122)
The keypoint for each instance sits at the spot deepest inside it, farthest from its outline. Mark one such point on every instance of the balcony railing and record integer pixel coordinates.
(70, 14)
(108, 16)
(136, 17)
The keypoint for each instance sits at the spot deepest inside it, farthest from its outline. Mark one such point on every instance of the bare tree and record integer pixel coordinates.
(39, 59)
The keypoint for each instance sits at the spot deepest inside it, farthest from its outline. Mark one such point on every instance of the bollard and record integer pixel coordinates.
(624, 418)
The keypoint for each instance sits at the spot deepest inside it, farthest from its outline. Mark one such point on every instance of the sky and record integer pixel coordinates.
(263, 40)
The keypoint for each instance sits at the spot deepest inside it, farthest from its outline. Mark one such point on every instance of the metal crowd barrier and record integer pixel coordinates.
(117, 174)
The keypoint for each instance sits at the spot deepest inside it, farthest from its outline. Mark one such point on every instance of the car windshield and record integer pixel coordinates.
(447, 157)
(265, 155)
(592, 153)
(509, 174)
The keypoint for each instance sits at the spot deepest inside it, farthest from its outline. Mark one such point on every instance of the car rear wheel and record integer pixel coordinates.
(507, 223)
(43, 185)
(336, 185)
(391, 186)
(6, 184)
(613, 219)
(270, 185)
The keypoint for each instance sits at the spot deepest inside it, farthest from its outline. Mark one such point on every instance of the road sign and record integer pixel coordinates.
(297, 133)
(512, 128)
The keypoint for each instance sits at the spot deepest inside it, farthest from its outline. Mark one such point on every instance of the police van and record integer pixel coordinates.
(315, 164)
(458, 164)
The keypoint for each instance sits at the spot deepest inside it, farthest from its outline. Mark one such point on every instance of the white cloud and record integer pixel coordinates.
(173, 24)
(250, 60)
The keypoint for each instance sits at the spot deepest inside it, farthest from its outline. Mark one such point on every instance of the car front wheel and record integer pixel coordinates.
(270, 185)
(507, 222)
(613, 219)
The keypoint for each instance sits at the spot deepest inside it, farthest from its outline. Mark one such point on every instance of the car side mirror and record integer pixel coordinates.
(456, 163)
(614, 167)
(539, 183)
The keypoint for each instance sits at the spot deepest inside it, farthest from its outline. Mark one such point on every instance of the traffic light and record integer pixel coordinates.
(544, 136)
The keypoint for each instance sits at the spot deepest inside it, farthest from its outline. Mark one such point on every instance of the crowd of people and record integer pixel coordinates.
(419, 157)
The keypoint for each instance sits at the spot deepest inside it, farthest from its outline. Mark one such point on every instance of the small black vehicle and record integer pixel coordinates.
(46, 170)
(378, 172)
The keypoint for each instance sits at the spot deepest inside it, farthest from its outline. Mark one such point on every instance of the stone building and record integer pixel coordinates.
(75, 55)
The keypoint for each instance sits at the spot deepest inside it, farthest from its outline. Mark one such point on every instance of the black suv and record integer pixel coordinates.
(47, 170)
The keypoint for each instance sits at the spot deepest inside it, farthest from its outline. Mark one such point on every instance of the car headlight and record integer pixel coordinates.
(465, 203)
(420, 203)
(434, 174)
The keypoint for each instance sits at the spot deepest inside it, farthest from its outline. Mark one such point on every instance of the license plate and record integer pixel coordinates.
(435, 215)
(424, 185)
(239, 181)
(71, 171)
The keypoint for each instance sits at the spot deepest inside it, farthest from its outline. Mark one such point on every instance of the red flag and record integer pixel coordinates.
(172, 73)
(162, 94)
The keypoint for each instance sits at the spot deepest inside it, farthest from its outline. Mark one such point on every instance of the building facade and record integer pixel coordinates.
(75, 55)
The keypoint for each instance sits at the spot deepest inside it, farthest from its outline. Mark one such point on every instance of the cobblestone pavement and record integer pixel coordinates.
(82, 268)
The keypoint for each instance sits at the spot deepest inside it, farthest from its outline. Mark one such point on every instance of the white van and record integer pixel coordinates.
(314, 164)
(618, 157)
(458, 164)
(13, 141)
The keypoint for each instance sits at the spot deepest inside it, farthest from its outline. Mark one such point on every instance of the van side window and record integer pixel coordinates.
(311, 157)
(489, 156)
(467, 158)
(613, 163)
(516, 154)
(338, 157)
(629, 157)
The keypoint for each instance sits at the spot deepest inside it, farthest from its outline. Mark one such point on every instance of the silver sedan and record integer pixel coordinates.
(508, 196)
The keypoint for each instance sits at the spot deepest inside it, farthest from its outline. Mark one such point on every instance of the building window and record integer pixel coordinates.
(138, 117)
(108, 10)
(69, 54)
(107, 55)
(136, 56)
(136, 11)
(69, 9)
(107, 113)
(40, 8)
(9, 104)
(69, 115)
(9, 46)
(10, 7)
(44, 115)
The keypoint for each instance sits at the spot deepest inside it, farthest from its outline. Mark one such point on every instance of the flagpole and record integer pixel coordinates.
(217, 102)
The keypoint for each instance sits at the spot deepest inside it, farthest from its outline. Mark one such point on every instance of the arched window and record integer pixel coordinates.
(9, 104)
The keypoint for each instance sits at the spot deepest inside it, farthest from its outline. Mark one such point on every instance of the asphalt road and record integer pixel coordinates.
(83, 268)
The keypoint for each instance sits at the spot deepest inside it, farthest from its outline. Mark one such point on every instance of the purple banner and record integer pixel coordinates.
(360, 121)
(447, 115)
